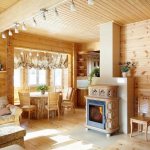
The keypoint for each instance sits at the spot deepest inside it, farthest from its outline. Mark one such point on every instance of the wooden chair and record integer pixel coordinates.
(53, 102)
(143, 119)
(69, 103)
(68, 94)
(25, 103)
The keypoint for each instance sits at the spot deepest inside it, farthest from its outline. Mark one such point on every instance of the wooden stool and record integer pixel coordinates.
(140, 120)
(11, 134)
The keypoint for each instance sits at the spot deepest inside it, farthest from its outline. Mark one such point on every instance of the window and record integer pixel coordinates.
(36, 77)
(32, 76)
(42, 76)
(17, 77)
(66, 77)
(58, 77)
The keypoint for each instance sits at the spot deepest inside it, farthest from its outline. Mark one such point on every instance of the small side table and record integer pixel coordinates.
(141, 121)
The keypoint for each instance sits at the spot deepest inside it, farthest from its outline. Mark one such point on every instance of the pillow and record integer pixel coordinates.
(4, 111)
(12, 108)
(3, 102)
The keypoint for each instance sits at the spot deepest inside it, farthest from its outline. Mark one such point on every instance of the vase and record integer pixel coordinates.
(124, 74)
(97, 74)
(42, 92)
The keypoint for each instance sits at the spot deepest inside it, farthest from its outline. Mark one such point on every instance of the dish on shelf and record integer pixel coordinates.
(81, 74)
(81, 67)
(81, 59)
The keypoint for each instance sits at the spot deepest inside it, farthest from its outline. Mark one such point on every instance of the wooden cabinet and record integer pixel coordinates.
(81, 92)
(86, 61)
(3, 83)
(3, 67)
(81, 64)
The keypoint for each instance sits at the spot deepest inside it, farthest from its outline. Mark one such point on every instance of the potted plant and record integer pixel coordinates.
(125, 67)
(94, 73)
(42, 88)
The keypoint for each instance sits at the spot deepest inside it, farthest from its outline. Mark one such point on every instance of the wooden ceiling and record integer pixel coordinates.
(83, 24)
(5, 4)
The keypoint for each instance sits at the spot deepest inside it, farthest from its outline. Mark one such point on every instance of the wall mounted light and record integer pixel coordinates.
(30, 54)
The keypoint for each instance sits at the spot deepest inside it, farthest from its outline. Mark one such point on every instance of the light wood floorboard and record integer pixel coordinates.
(69, 133)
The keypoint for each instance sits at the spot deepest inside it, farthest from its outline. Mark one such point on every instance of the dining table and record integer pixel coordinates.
(41, 100)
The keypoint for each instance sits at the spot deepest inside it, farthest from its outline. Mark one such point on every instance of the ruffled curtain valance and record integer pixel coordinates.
(40, 60)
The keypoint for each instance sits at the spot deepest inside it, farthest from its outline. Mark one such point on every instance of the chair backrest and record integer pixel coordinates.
(24, 98)
(69, 93)
(144, 105)
(53, 98)
(73, 95)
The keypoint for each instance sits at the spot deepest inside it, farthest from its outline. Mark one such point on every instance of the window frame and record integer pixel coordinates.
(19, 79)
(37, 77)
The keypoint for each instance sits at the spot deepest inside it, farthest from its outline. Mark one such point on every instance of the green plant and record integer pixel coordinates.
(94, 73)
(125, 67)
(42, 88)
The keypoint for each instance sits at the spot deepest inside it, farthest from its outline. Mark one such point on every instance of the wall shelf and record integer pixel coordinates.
(2, 71)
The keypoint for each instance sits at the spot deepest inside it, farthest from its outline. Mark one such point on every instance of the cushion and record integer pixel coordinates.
(4, 111)
(3, 101)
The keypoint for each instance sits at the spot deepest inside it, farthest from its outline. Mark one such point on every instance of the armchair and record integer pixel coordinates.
(13, 117)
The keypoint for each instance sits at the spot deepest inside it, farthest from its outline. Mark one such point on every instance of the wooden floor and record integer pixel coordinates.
(69, 134)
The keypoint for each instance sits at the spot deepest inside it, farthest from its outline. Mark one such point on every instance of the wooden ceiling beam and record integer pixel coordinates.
(23, 10)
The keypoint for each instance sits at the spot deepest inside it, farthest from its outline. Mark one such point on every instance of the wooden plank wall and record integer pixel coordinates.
(26, 40)
(135, 47)
(3, 57)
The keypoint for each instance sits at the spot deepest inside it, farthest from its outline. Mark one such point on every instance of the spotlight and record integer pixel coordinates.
(16, 27)
(44, 13)
(3, 35)
(72, 6)
(16, 30)
(56, 12)
(24, 27)
(90, 2)
(44, 17)
(10, 33)
(34, 22)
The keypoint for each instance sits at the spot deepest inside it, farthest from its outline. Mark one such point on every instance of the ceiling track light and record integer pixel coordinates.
(16, 27)
(16, 30)
(24, 28)
(34, 22)
(90, 2)
(56, 12)
(44, 11)
(3, 35)
(10, 33)
(72, 6)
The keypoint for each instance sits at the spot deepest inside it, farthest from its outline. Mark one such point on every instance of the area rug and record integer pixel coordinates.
(129, 144)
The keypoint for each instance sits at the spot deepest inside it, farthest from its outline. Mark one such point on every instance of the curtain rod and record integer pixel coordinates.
(37, 50)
